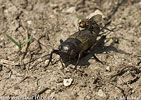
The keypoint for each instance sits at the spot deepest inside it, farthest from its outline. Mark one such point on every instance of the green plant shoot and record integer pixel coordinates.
(80, 17)
(20, 46)
(26, 42)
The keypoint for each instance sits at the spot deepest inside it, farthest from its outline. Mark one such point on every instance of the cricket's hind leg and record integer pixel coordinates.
(98, 48)
(98, 59)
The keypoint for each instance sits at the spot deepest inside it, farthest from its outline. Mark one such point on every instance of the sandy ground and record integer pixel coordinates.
(22, 76)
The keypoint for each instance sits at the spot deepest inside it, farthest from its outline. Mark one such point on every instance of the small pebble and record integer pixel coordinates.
(108, 68)
(72, 66)
(33, 32)
(101, 93)
(29, 22)
(67, 82)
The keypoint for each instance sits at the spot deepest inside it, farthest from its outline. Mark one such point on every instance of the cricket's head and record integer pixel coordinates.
(83, 24)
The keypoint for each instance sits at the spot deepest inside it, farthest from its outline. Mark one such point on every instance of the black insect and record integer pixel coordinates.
(78, 43)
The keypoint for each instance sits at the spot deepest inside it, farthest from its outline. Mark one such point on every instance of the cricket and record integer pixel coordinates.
(80, 42)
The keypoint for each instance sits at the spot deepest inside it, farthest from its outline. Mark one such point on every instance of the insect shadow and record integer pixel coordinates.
(100, 48)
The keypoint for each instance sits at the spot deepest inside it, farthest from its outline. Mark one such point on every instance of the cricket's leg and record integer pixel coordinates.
(51, 54)
(78, 59)
(98, 60)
